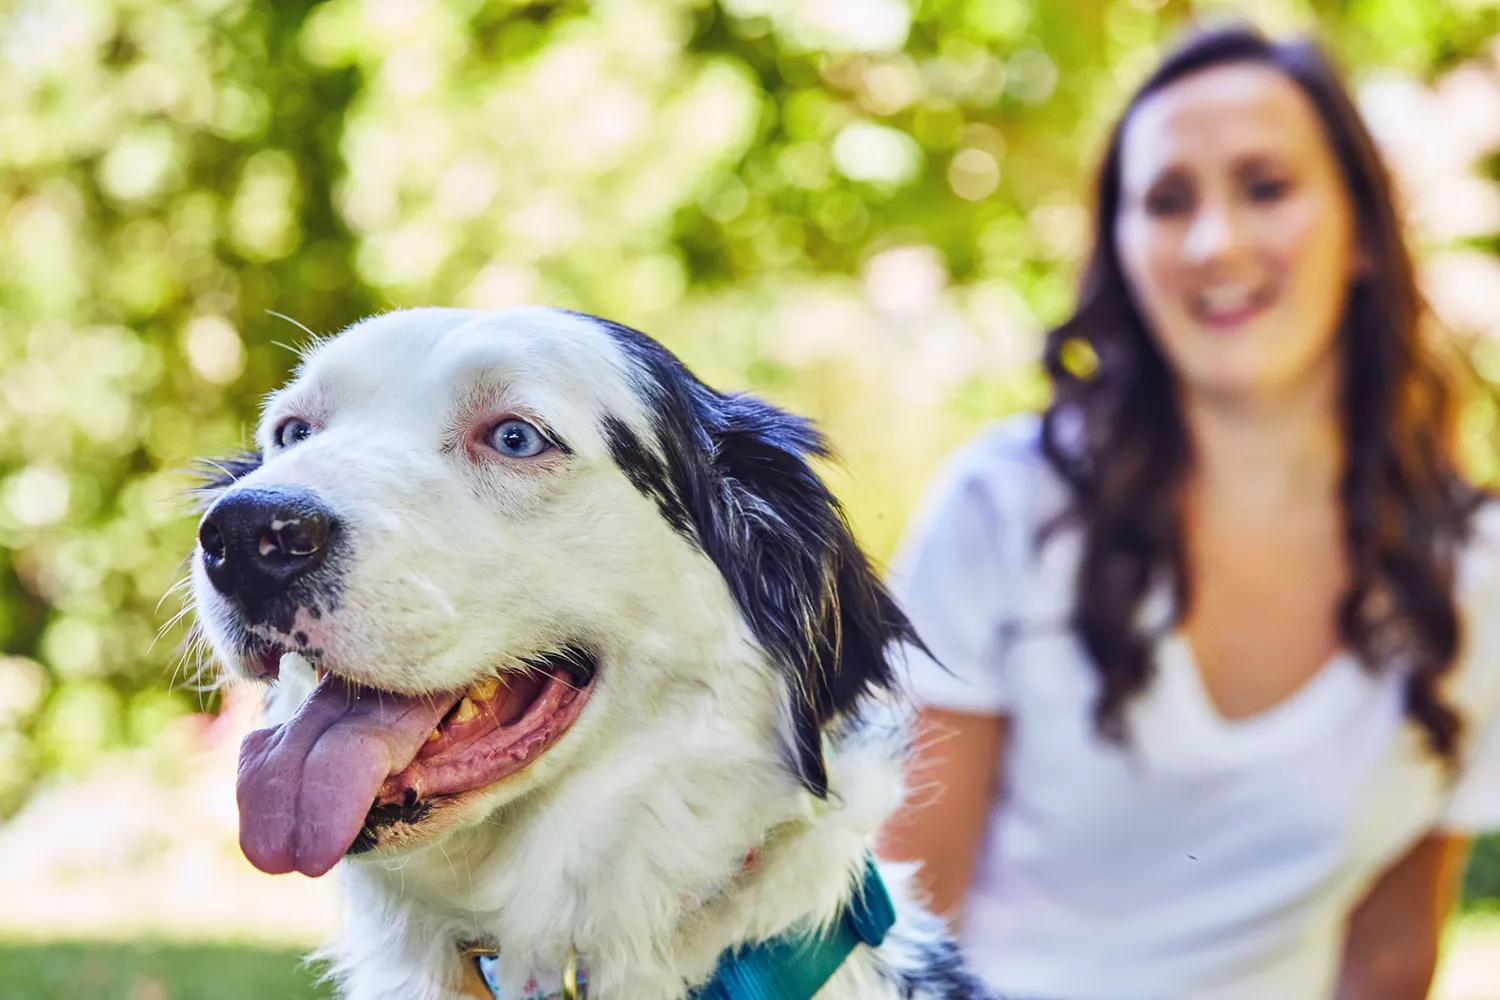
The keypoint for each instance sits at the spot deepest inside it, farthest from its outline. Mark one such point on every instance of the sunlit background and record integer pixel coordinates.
(867, 210)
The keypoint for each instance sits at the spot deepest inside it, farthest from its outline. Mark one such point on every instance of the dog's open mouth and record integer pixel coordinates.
(354, 757)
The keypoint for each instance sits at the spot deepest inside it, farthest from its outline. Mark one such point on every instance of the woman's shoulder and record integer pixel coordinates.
(1477, 590)
(1479, 563)
(1014, 439)
(1005, 463)
(986, 492)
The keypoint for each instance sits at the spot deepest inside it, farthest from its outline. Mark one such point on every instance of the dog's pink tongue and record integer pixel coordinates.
(305, 786)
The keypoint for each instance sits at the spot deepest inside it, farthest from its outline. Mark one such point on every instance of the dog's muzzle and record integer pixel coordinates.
(258, 542)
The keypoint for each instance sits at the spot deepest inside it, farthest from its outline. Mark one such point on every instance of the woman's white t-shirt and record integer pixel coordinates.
(1207, 859)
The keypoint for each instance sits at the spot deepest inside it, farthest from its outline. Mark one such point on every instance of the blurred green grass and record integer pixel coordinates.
(153, 971)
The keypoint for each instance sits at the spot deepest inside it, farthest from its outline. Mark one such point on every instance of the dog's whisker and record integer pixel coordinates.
(167, 626)
(299, 325)
(214, 465)
(185, 653)
(183, 583)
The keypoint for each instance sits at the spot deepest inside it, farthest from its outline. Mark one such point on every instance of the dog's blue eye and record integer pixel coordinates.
(292, 430)
(518, 439)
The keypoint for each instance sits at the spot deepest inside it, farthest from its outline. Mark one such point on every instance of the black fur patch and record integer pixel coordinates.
(579, 664)
(387, 815)
(321, 588)
(937, 972)
(732, 474)
(647, 473)
(214, 476)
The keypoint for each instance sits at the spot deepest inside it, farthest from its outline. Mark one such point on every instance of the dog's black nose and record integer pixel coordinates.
(257, 541)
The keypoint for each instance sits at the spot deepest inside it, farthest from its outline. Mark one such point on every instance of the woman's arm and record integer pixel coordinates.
(1391, 944)
(950, 789)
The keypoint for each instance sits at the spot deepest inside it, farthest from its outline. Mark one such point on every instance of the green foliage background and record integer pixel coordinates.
(713, 172)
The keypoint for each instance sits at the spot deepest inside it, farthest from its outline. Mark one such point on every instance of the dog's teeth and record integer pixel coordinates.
(467, 711)
(484, 690)
(434, 736)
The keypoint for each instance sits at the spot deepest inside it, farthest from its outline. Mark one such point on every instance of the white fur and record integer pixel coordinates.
(613, 839)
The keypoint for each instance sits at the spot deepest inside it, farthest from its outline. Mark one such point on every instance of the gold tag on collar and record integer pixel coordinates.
(478, 949)
(571, 988)
(574, 984)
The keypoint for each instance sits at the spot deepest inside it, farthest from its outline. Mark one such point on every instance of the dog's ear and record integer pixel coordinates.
(801, 580)
(734, 476)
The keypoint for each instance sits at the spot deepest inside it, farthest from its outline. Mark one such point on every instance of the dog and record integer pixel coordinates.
(572, 664)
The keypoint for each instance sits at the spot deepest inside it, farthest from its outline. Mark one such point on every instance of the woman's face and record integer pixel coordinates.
(1236, 232)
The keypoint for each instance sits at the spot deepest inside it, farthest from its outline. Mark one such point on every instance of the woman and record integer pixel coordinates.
(1220, 633)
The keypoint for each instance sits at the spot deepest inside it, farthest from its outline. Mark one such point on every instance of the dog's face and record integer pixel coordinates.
(460, 525)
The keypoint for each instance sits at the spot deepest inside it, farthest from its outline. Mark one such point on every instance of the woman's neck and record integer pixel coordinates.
(1268, 456)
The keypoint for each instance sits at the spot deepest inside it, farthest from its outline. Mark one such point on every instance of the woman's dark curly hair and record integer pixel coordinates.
(1114, 433)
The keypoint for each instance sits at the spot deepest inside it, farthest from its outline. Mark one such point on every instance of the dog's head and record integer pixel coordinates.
(473, 549)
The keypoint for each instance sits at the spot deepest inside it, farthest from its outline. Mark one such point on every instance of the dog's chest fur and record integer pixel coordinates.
(659, 901)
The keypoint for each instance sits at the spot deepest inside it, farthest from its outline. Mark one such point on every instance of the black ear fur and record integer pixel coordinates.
(732, 474)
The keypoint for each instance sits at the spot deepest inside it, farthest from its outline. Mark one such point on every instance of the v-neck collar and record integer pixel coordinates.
(1176, 656)
(1178, 728)
(1178, 723)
